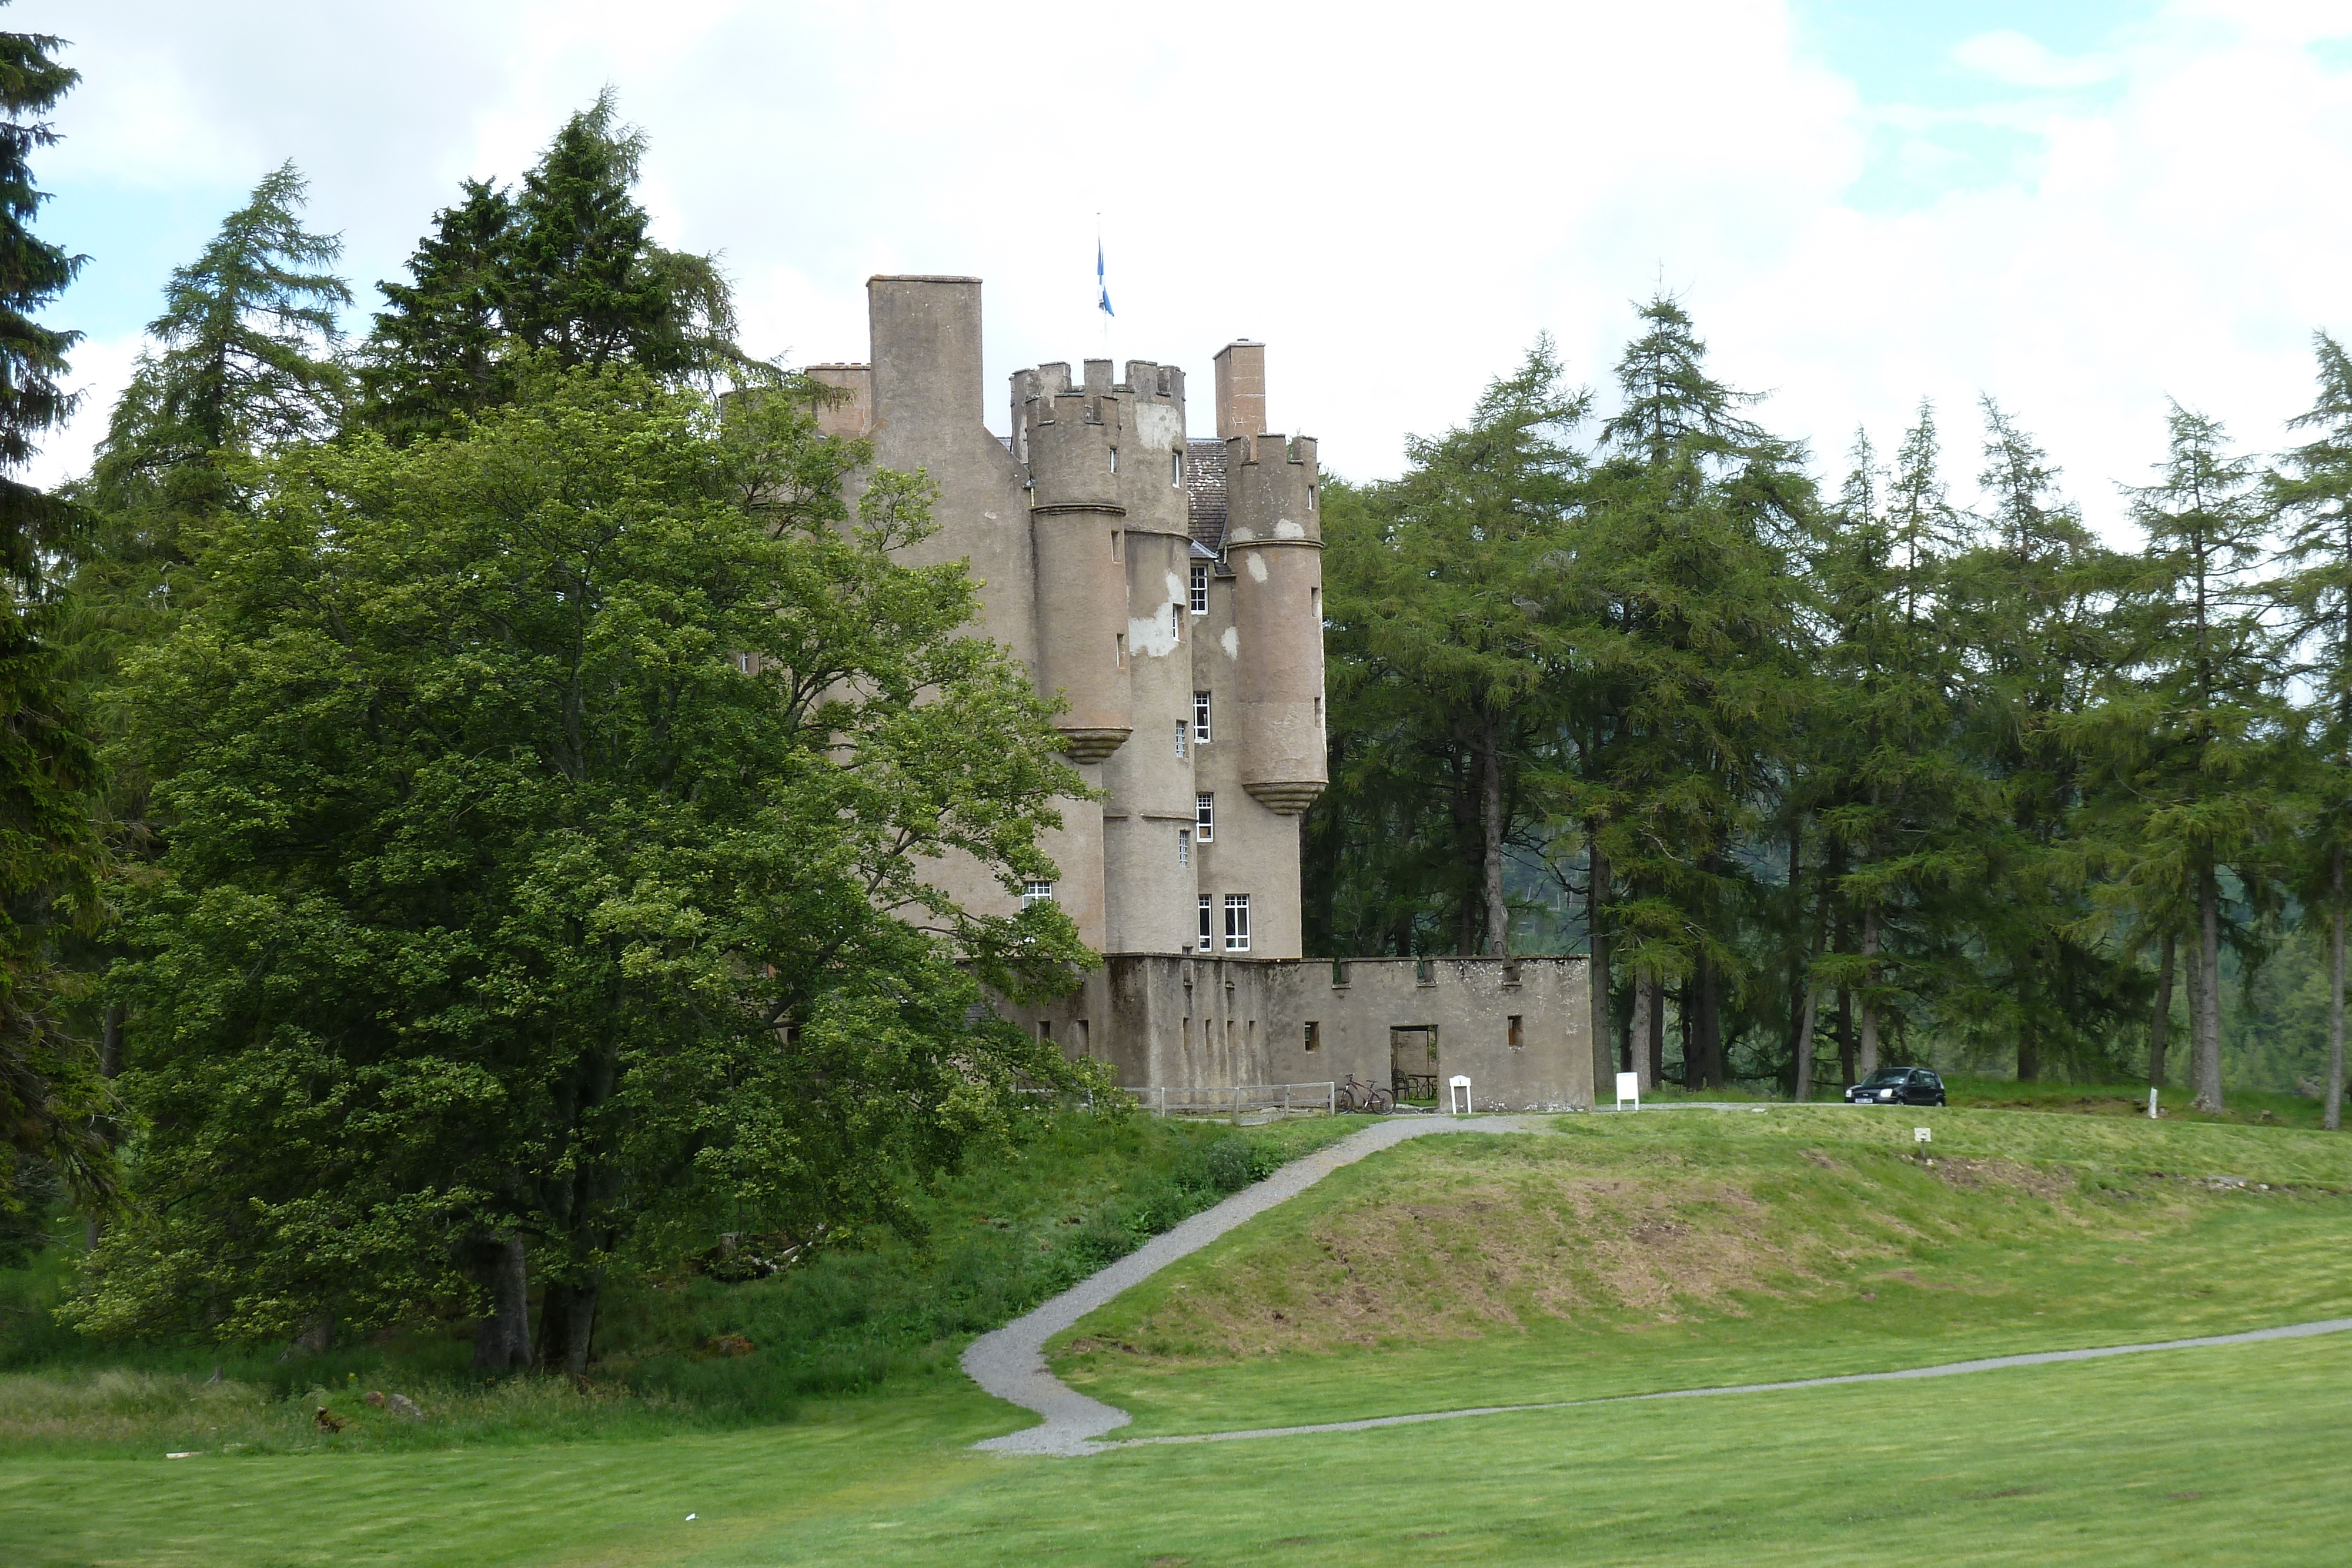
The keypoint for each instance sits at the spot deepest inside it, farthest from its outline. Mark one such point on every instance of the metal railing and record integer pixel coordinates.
(1242, 1103)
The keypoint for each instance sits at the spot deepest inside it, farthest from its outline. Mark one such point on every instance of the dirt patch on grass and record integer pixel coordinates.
(1487, 1255)
(2052, 1186)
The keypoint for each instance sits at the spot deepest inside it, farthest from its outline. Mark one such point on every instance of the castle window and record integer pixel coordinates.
(1201, 717)
(1200, 587)
(1207, 917)
(1184, 846)
(1114, 459)
(1175, 468)
(1311, 497)
(1045, 1031)
(1037, 893)
(1519, 1035)
(1118, 640)
(1115, 536)
(1182, 728)
(1315, 604)
(1205, 818)
(1237, 923)
(1314, 1035)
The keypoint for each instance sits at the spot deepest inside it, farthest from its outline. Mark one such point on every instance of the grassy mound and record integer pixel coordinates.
(1693, 1248)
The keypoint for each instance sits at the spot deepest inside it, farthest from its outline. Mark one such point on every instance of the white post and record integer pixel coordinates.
(1331, 1098)
(2151, 1102)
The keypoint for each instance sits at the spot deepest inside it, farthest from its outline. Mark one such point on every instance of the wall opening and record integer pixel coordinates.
(1339, 971)
(1518, 1034)
(1314, 1035)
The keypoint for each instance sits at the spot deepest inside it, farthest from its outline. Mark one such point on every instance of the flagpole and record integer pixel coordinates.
(1102, 289)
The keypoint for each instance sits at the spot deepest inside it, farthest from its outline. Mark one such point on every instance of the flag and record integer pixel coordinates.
(1101, 287)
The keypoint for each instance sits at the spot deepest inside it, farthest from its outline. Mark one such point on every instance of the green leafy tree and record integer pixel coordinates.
(2313, 492)
(437, 355)
(52, 1096)
(549, 813)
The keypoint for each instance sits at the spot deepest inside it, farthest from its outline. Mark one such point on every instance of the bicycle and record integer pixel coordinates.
(1352, 1095)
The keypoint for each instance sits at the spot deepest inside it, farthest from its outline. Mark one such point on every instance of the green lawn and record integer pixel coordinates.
(2201, 1458)
(1621, 1254)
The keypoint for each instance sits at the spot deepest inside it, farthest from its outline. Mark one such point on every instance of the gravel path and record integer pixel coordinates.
(1011, 1362)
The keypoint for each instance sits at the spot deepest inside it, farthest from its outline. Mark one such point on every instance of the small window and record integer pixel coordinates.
(1114, 465)
(1201, 717)
(1311, 497)
(1176, 467)
(1037, 893)
(1315, 604)
(1205, 818)
(1237, 923)
(1184, 846)
(1200, 587)
(1045, 1031)
(1184, 732)
(1207, 915)
(1318, 711)
(1314, 1035)
(1519, 1035)
(743, 664)
(1117, 535)
(1119, 642)
(1086, 1046)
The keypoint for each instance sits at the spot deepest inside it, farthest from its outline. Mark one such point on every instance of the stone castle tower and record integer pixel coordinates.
(1170, 592)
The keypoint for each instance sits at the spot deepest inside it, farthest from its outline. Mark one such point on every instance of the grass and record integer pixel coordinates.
(1072, 1194)
(2205, 1457)
(1696, 1247)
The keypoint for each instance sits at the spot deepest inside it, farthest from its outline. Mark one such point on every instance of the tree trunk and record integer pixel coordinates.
(1706, 1033)
(2160, 1025)
(1683, 995)
(1596, 908)
(567, 1324)
(1802, 1087)
(2196, 977)
(1653, 1065)
(110, 1043)
(2209, 1004)
(502, 1338)
(2028, 1048)
(1868, 1061)
(1846, 1037)
(2333, 1119)
(1637, 1033)
(1490, 824)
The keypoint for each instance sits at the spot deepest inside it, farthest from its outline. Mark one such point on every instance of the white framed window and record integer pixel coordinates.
(1184, 846)
(1114, 469)
(1037, 893)
(1182, 730)
(1205, 819)
(1176, 467)
(1200, 587)
(1311, 497)
(1207, 915)
(1201, 717)
(1237, 923)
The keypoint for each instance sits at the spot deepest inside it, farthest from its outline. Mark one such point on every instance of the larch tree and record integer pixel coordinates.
(2312, 491)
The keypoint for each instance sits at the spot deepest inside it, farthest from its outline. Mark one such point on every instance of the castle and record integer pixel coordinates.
(1170, 590)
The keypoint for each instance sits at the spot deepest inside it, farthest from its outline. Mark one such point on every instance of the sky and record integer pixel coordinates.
(2082, 209)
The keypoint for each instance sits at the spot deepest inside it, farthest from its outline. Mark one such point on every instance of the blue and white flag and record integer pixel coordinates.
(1101, 287)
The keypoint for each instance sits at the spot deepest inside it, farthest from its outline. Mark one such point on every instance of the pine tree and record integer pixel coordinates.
(51, 1092)
(435, 357)
(2313, 491)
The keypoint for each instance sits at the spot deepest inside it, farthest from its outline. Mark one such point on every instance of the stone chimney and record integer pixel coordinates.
(1241, 389)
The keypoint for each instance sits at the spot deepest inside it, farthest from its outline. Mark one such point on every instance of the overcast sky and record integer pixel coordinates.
(2082, 208)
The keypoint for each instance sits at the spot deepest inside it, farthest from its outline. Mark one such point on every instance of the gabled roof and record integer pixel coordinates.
(1204, 492)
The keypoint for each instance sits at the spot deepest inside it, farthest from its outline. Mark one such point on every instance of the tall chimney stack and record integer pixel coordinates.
(1241, 389)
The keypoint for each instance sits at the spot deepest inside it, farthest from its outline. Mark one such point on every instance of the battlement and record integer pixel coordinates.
(1241, 451)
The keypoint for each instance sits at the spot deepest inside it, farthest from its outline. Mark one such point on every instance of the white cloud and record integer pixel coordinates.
(1397, 199)
(2015, 58)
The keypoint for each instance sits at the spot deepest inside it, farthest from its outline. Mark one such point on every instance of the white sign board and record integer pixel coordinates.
(1629, 1087)
(1457, 1096)
(1918, 1134)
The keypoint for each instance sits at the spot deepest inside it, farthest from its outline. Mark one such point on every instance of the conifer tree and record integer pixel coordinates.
(434, 356)
(2313, 491)
(51, 1092)
(2198, 731)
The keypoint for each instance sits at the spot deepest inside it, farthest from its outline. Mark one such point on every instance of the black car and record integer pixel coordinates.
(1898, 1086)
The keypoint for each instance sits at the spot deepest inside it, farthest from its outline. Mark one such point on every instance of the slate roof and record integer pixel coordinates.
(1204, 491)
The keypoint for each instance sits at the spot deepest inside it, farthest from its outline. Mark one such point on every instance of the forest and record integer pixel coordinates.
(1827, 775)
